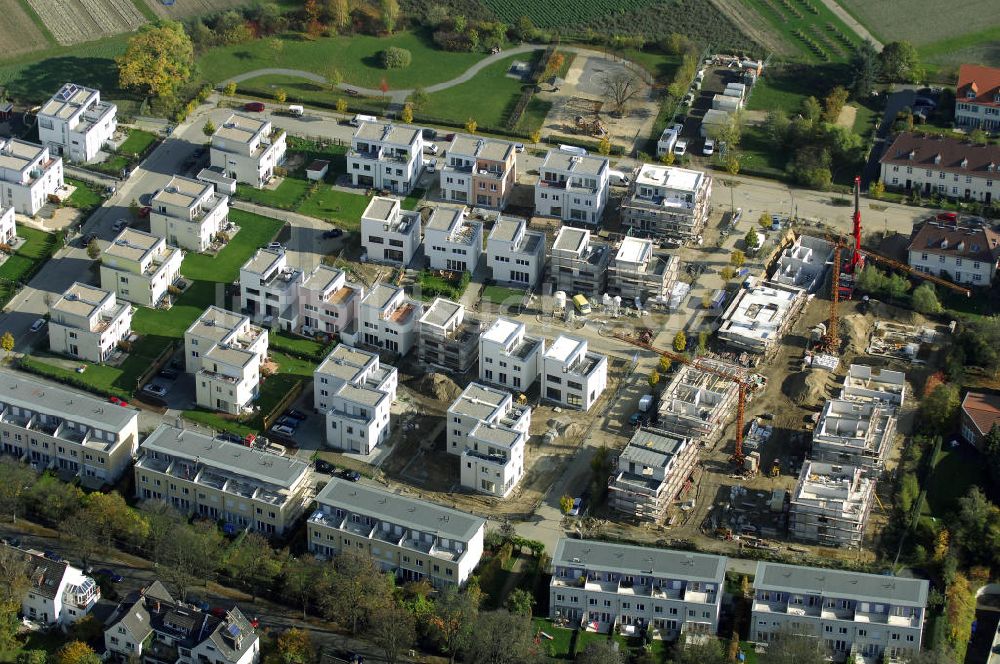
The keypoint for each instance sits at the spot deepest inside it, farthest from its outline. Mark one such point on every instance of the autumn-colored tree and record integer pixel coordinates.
(737, 258)
(565, 504)
(276, 46)
(554, 64)
(7, 341)
(295, 646)
(341, 105)
(764, 221)
(834, 103)
(389, 9)
(941, 544)
(406, 115)
(536, 136)
(338, 13)
(960, 611)
(680, 341)
(471, 125)
(77, 652)
(158, 59)
(280, 95)
(604, 147)
(311, 12)
(877, 189)
(665, 364)
(668, 158)
(654, 378)
(383, 85)
(727, 273)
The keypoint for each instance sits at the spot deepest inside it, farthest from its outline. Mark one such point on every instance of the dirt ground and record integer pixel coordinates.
(18, 34)
(846, 117)
(186, 8)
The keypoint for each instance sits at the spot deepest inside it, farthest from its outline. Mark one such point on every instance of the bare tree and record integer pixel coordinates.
(620, 87)
(393, 629)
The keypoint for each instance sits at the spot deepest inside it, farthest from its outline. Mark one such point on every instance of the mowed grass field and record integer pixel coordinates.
(810, 27)
(21, 31)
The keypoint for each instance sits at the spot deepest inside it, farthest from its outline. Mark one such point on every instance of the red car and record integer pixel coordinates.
(947, 216)
(144, 212)
(254, 106)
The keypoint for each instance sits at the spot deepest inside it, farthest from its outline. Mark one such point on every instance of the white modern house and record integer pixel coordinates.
(448, 338)
(188, 213)
(950, 167)
(28, 175)
(387, 319)
(247, 149)
(140, 267)
(386, 157)
(413, 538)
(327, 300)
(868, 616)
(269, 289)
(58, 593)
(515, 255)
(355, 392)
(225, 351)
(8, 227)
(965, 255)
(251, 489)
(509, 357)
(579, 264)
(389, 234)
(150, 621)
(572, 187)
(488, 432)
(479, 171)
(51, 427)
(88, 323)
(572, 375)
(452, 241)
(638, 271)
(76, 124)
(667, 202)
(600, 587)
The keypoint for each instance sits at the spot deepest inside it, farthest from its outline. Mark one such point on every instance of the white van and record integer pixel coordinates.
(296, 110)
(359, 118)
(618, 178)
(572, 149)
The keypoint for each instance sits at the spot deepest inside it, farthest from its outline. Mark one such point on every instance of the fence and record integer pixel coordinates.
(280, 407)
(156, 365)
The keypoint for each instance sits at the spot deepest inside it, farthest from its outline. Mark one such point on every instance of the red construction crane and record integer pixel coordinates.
(736, 375)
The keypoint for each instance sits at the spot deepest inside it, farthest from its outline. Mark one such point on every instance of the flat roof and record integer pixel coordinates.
(502, 331)
(240, 128)
(653, 448)
(400, 510)
(360, 394)
(387, 133)
(571, 239)
(576, 164)
(634, 250)
(74, 406)
(181, 192)
(381, 294)
(322, 277)
(68, 100)
(235, 458)
(563, 347)
(478, 401)
(670, 177)
(81, 300)
(441, 311)
(263, 260)
(380, 208)
(443, 218)
(215, 323)
(641, 560)
(133, 245)
(236, 357)
(840, 583)
(506, 228)
(480, 148)
(16, 154)
(346, 363)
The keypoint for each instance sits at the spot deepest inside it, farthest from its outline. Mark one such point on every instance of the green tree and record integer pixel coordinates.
(960, 611)
(295, 646)
(654, 378)
(77, 652)
(209, 127)
(190, 554)
(32, 657)
(834, 103)
(864, 70)
(871, 280)
(158, 59)
(727, 273)
(737, 258)
(454, 616)
(877, 189)
(896, 286)
(7, 341)
(389, 10)
(601, 652)
(751, 239)
(502, 637)
(811, 109)
(680, 341)
(302, 578)
(708, 651)
(254, 562)
(15, 580)
(668, 158)
(939, 408)
(358, 590)
(280, 95)
(764, 220)
(899, 62)
(393, 629)
(16, 479)
(521, 602)
(925, 299)
(395, 57)
(732, 163)
(979, 137)
(230, 89)
(338, 14)
(419, 98)
(565, 504)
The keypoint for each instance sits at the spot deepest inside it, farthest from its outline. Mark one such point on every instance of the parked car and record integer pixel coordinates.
(53, 556)
(429, 134)
(275, 245)
(637, 418)
(119, 225)
(155, 390)
(431, 165)
(324, 467)
(110, 575)
(577, 507)
(37, 325)
(709, 148)
(144, 212)
(289, 422)
(283, 430)
(332, 233)
(168, 374)
(199, 603)
(230, 437)
(680, 147)
(253, 106)
(432, 148)
(296, 414)
(351, 475)
(88, 238)
(110, 189)
(518, 147)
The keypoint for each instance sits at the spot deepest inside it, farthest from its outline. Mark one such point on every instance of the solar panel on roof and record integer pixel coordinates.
(234, 630)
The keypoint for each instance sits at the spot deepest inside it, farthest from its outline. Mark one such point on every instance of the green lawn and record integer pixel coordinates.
(38, 247)
(86, 197)
(433, 285)
(459, 103)
(559, 645)
(957, 471)
(304, 91)
(335, 205)
(981, 46)
(761, 155)
(137, 142)
(255, 232)
(413, 200)
(810, 27)
(354, 56)
(293, 343)
(786, 86)
(864, 120)
(286, 196)
(33, 77)
(660, 65)
(502, 294)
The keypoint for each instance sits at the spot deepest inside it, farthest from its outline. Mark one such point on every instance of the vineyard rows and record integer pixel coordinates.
(797, 19)
(559, 13)
(74, 21)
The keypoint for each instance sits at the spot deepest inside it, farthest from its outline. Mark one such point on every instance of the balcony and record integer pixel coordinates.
(837, 613)
(368, 155)
(700, 596)
(490, 172)
(552, 184)
(602, 585)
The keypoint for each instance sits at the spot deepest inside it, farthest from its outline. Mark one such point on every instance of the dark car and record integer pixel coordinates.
(53, 556)
(110, 575)
(253, 106)
(230, 437)
(332, 233)
(219, 611)
(12, 541)
(296, 414)
(324, 467)
(429, 134)
(351, 475)
(637, 418)
(287, 421)
(199, 603)
(88, 238)
(169, 374)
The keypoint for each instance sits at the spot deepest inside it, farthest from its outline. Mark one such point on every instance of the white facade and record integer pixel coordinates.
(355, 392)
(830, 504)
(50, 427)
(866, 615)
(452, 241)
(598, 586)
(515, 255)
(447, 337)
(758, 317)
(327, 300)
(140, 267)
(949, 167)
(386, 157)
(665, 201)
(977, 97)
(572, 375)
(577, 264)
(509, 357)
(247, 149)
(854, 433)
(88, 323)
(637, 271)
(572, 187)
(58, 593)
(389, 234)
(269, 289)
(968, 256)
(188, 213)
(75, 122)
(224, 351)
(414, 538)
(28, 175)
(8, 227)
(387, 319)
(488, 432)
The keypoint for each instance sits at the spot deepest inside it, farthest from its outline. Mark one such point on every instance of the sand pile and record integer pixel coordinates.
(438, 386)
(806, 388)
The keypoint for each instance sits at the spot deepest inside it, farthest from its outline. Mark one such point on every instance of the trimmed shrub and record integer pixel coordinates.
(395, 58)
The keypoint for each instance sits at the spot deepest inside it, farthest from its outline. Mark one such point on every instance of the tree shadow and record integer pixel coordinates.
(244, 55)
(38, 81)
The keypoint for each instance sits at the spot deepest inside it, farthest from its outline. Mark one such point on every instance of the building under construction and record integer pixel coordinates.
(830, 504)
(854, 433)
(758, 317)
(696, 403)
(653, 470)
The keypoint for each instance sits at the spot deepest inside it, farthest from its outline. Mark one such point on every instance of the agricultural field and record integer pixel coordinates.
(559, 13)
(185, 8)
(20, 32)
(813, 29)
(920, 21)
(76, 21)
